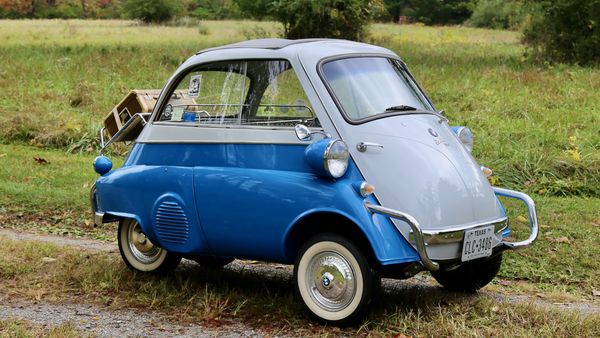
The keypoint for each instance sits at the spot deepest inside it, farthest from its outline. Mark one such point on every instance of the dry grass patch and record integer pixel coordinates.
(44, 272)
(22, 328)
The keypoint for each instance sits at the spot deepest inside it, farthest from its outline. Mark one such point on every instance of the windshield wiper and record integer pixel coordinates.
(399, 108)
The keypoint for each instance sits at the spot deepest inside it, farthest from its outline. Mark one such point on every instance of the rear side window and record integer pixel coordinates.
(243, 93)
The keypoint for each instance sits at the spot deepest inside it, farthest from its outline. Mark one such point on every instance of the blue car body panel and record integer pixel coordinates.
(237, 200)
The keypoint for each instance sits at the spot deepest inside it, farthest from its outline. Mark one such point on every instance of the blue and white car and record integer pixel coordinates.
(324, 154)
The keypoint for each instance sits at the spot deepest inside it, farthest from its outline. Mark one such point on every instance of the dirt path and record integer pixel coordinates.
(104, 322)
(91, 320)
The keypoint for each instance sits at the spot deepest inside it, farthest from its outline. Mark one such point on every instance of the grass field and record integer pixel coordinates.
(537, 126)
(216, 297)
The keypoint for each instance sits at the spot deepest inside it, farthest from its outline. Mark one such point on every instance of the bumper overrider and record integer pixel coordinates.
(97, 216)
(422, 238)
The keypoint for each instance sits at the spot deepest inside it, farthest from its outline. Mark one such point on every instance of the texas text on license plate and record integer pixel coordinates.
(478, 243)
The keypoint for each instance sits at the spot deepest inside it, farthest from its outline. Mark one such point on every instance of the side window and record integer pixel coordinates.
(284, 101)
(245, 93)
(215, 95)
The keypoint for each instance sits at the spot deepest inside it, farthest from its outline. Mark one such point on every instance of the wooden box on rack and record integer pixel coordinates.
(137, 101)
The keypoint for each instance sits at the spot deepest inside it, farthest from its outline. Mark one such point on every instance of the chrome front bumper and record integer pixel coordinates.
(423, 238)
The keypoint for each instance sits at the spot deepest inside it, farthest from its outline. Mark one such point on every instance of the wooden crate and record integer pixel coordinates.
(137, 101)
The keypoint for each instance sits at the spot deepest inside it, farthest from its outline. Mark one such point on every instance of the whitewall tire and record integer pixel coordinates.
(333, 279)
(139, 253)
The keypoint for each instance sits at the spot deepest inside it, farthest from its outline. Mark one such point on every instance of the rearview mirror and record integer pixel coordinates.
(302, 132)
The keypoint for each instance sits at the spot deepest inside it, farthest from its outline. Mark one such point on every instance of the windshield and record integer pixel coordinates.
(369, 86)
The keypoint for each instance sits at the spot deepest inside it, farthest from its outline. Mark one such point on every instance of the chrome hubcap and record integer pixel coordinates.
(331, 281)
(140, 246)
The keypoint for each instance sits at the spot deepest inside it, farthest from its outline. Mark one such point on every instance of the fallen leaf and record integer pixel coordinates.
(540, 295)
(544, 226)
(504, 282)
(521, 219)
(595, 293)
(562, 239)
(87, 222)
(40, 160)
(401, 335)
(597, 222)
(48, 259)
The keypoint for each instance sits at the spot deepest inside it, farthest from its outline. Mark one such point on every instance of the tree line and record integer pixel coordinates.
(554, 30)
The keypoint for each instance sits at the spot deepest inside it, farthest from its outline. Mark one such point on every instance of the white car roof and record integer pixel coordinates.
(308, 50)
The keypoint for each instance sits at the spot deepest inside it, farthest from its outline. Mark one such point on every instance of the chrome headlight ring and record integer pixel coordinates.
(335, 158)
(465, 136)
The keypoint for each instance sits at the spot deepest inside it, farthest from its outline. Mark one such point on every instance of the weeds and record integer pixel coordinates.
(216, 297)
(23, 328)
(523, 115)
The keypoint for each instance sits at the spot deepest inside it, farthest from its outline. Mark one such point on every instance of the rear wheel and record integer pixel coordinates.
(470, 276)
(333, 279)
(139, 253)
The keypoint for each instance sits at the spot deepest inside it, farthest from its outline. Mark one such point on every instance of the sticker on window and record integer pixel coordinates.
(194, 89)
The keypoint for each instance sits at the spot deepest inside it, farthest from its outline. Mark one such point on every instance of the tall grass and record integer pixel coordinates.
(536, 126)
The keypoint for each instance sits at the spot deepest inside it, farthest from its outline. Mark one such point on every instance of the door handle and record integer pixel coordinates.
(362, 146)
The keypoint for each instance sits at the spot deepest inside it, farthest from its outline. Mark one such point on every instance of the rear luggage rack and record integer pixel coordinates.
(128, 132)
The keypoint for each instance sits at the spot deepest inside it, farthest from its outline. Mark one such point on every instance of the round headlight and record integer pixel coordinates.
(336, 158)
(465, 136)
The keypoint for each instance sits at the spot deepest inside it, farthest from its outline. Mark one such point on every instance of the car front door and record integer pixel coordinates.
(249, 169)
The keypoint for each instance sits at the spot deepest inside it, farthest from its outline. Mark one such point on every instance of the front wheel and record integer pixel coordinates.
(139, 253)
(470, 276)
(333, 279)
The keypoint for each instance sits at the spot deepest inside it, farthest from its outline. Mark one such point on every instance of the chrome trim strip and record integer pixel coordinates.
(416, 229)
(533, 221)
(456, 235)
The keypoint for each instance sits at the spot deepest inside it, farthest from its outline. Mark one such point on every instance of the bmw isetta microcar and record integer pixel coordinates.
(324, 154)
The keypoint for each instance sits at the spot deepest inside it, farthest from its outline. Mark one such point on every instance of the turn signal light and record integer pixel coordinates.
(487, 172)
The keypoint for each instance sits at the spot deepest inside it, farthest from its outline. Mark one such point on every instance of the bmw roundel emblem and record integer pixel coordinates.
(432, 132)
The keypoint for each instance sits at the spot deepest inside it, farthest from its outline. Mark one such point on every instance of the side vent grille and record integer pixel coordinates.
(171, 223)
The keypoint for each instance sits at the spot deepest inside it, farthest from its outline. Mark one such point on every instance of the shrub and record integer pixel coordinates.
(214, 9)
(343, 19)
(152, 11)
(565, 31)
(497, 14)
(435, 12)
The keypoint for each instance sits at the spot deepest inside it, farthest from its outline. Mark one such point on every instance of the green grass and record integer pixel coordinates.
(564, 260)
(22, 328)
(218, 297)
(535, 125)
(51, 197)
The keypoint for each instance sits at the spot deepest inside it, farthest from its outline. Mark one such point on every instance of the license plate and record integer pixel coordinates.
(478, 243)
